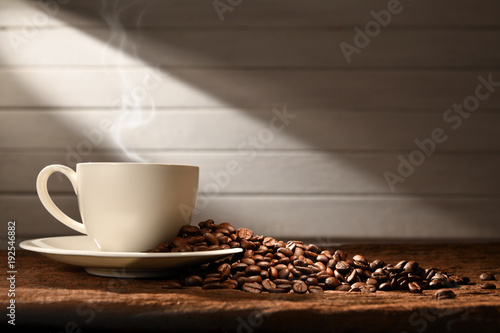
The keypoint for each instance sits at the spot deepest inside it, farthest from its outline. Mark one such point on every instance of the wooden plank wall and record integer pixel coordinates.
(206, 87)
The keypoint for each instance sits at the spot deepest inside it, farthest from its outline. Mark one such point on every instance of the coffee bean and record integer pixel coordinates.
(487, 277)
(254, 278)
(343, 287)
(282, 281)
(273, 273)
(322, 258)
(244, 233)
(172, 284)
(340, 255)
(372, 281)
(352, 277)
(311, 281)
(193, 280)
(211, 280)
(224, 270)
(414, 288)
(331, 282)
(385, 286)
(287, 252)
(368, 288)
(286, 287)
(284, 273)
(488, 285)
(444, 294)
(360, 259)
(299, 287)
(268, 284)
(230, 284)
(252, 288)
(342, 267)
(411, 266)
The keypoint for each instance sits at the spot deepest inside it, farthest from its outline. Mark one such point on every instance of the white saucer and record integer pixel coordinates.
(82, 251)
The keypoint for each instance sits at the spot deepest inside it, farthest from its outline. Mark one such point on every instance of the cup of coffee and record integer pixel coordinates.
(126, 207)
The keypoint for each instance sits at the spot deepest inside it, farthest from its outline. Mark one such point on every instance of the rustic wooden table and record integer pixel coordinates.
(56, 297)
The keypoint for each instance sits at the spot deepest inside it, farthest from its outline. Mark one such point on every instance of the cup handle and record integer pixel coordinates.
(43, 194)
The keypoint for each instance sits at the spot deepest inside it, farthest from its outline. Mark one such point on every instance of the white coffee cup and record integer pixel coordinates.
(127, 207)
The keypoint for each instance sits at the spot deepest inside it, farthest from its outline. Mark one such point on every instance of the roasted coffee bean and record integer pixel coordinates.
(444, 294)
(352, 277)
(385, 286)
(254, 278)
(248, 261)
(338, 276)
(331, 282)
(411, 266)
(247, 245)
(284, 273)
(310, 255)
(258, 257)
(305, 270)
(342, 267)
(343, 287)
(251, 287)
(211, 280)
(340, 255)
(282, 281)
(238, 267)
(263, 264)
(357, 285)
(414, 288)
(268, 284)
(313, 248)
(372, 281)
(252, 270)
(200, 248)
(244, 233)
(376, 264)
(230, 284)
(315, 289)
(360, 259)
(311, 281)
(172, 284)
(193, 280)
(487, 277)
(287, 252)
(224, 270)
(488, 285)
(286, 287)
(273, 273)
(368, 288)
(322, 258)
(299, 287)
(248, 254)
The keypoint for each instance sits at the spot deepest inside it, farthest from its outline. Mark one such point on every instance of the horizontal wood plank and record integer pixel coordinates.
(323, 217)
(334, 89)
(244, 48)
(284, 173)
(195, 13)
(81, 132)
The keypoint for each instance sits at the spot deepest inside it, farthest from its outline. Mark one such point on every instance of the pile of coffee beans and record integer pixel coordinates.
(271, 265)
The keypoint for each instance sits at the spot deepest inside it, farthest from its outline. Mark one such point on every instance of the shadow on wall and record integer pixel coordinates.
(343, 110)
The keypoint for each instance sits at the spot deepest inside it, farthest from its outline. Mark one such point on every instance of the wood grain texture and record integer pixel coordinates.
(258, 13)
(214, 86)
(94, 88)
(232, 128)
(413, 47)
(50, 293)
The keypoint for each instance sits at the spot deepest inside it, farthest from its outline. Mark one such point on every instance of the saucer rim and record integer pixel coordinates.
(30, 246)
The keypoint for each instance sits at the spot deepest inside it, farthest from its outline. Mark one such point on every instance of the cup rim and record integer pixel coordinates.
(139, 163)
